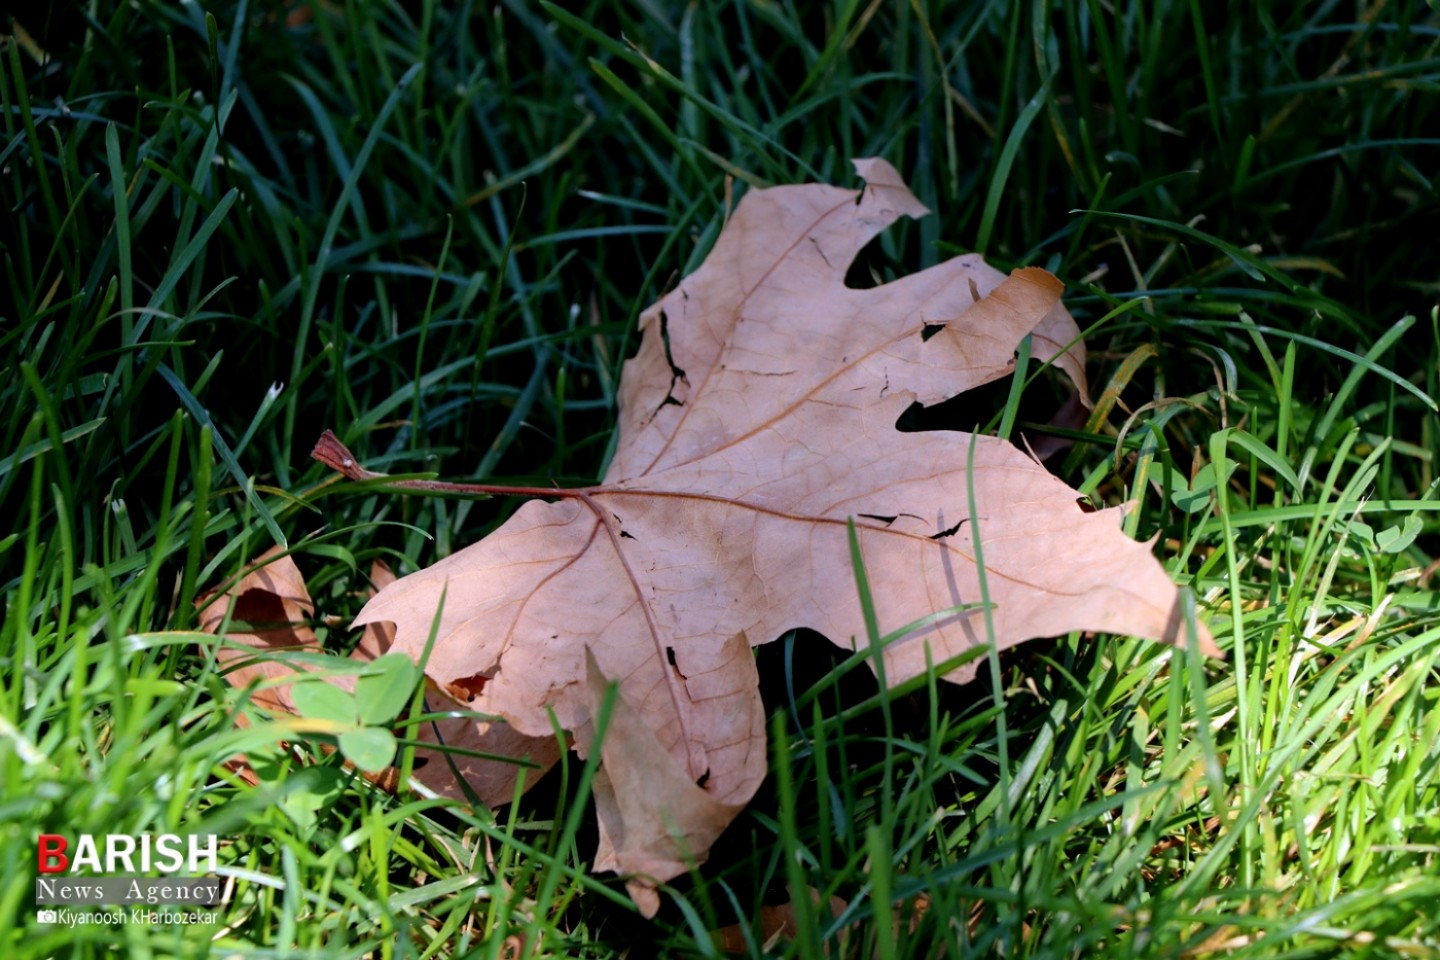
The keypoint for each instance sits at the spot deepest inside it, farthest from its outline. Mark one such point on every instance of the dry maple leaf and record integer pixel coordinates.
(758, 419)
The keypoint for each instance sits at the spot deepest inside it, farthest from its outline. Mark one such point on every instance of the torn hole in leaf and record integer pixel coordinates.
(870, 267)
(467, 688)
(949, 531)
(676, 373)
(930, 329)
(985, 403)
(670, 658)
(880, 519)
(703, 779)
(620, 525)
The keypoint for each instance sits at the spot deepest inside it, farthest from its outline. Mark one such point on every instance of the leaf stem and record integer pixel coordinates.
(335, 455)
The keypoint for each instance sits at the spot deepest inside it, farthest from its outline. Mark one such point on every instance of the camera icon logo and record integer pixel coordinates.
(47, 916)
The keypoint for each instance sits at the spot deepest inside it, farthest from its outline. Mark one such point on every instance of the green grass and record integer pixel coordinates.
(430, 227)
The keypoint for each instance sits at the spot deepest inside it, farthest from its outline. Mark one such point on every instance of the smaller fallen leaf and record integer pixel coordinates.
(777, 924)
(270, 610)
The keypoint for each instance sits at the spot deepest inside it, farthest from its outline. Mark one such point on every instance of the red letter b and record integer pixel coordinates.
(51, 855)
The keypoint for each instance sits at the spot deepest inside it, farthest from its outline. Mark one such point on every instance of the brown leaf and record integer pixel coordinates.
(275, 609)
(776, 923)
(758, 419)
(272, 600)
(270, 610)
(779, 923)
